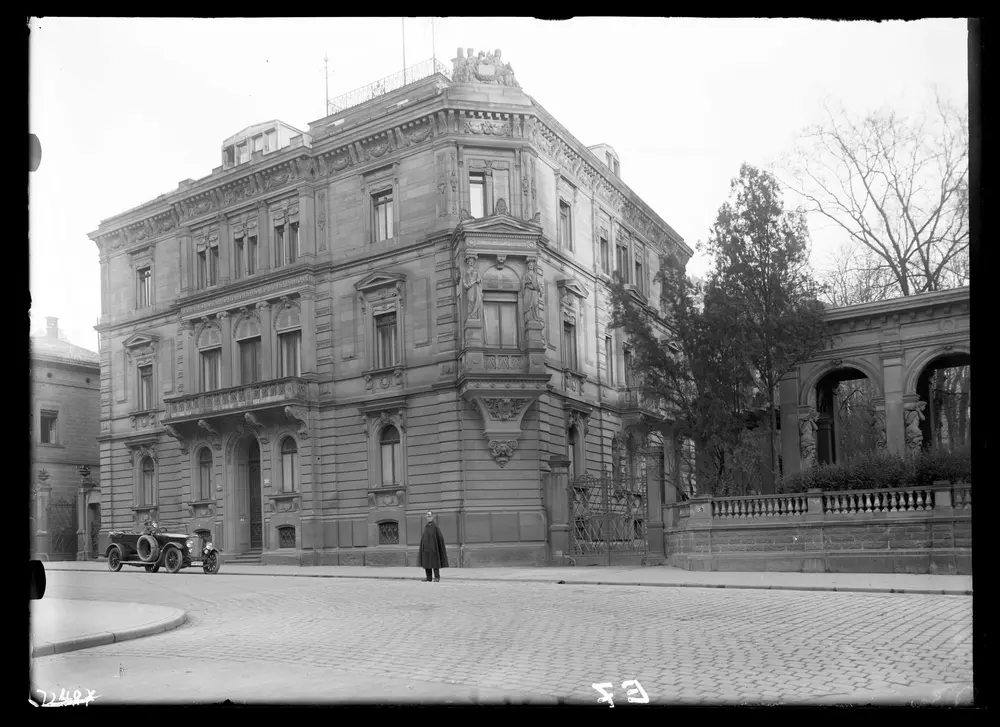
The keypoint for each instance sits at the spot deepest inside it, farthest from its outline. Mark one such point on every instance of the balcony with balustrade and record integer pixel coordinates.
(263, 395)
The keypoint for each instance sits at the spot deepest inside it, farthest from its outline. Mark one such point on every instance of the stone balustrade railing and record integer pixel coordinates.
(273, 392)
(917, 499)
(759, 506)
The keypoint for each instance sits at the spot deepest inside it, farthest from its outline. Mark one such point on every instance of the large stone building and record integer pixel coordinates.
(65, 415)
(403, 308)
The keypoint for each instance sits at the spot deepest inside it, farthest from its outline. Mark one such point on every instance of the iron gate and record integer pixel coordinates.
(95, 529)
(608, 519)
(62, 530)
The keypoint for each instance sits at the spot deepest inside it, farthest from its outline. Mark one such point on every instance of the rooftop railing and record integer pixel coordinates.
(388, 84)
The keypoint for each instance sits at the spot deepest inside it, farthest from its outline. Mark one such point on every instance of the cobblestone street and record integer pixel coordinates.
(302, 639)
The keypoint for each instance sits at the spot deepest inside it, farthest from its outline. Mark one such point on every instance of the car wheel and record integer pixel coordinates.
(115, 560)
(152, 568)
(148, 549)
(211, 565)
(173, 561)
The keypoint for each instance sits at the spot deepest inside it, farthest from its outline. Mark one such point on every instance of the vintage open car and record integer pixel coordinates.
(152, 548)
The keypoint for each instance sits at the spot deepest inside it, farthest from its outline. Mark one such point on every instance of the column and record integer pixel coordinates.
(654, 510)
(264, 234)
(187, 263)
(558, 502)
(307, 222)
(267, 364)
(892, 381)
(789, 394)
(225, 250)
(226, 323)
(81, 521)
(308, 354)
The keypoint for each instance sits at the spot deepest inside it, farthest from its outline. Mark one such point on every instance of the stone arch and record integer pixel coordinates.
(287, 315)
(208, 334)
(927, 357)
(246, 325)
(871, 372)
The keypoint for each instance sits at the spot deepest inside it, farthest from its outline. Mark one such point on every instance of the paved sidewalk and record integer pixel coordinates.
(608, 576)
(58, 626)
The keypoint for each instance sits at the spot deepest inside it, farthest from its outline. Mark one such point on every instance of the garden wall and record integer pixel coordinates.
(902, 530)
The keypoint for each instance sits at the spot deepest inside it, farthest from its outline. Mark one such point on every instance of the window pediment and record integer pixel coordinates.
(381, 287)
(571, 287)
(141, 345)
(504, 225)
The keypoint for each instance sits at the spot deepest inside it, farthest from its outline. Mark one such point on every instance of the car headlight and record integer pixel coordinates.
(208, 546)
(190, 544)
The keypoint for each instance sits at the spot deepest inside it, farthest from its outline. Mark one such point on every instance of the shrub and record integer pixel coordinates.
(881, 470)
(952, 466)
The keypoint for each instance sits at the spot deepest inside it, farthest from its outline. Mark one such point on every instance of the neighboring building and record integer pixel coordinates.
(65, 421)
(404, 308)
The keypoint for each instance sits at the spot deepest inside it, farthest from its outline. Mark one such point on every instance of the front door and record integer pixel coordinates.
(256, 508)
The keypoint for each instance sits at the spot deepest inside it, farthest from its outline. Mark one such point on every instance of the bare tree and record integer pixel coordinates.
(856, 275)
(898, 188)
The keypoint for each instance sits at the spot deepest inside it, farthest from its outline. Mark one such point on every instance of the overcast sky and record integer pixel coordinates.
(127, 108)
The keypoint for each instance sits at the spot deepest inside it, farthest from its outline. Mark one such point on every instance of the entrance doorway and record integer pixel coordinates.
(256, 508)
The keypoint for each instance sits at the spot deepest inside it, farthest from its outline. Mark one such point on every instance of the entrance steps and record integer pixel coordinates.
(248, 557)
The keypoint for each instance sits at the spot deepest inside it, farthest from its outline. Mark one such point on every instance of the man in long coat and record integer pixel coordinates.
(433, 555)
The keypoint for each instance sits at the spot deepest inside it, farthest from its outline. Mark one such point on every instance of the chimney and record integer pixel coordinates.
(52, 324)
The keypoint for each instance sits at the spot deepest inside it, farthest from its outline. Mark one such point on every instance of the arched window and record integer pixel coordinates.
(391, 464)
(205, 474)
(289, 465)
(572, 445)
(148, 478)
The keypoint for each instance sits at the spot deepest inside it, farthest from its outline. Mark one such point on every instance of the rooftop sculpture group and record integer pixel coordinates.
(487, 67)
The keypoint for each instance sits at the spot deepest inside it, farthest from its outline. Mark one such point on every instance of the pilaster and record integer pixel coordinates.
(307, 227)
(308, 318)
(892, 378)
(558, 506)
(225, 250)
(268, 362)
(789, 407)
(226, 324)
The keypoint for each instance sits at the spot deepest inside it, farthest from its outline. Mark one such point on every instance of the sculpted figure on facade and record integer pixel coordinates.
(878, 426)
(807, 437)
(473, 285)
(915, 415)
(532, 294)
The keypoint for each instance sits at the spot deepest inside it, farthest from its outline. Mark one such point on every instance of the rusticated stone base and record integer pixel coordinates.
(917, 562)
(505, 556)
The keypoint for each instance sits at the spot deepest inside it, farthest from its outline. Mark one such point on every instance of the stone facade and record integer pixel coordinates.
(892, 343)
(65, 403)
(412, 351)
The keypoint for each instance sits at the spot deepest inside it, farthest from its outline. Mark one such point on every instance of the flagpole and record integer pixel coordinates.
(434, 57)
(402, 22)
(326, 71)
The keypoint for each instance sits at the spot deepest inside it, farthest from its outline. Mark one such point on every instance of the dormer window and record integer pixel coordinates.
(230, 156)
(242, 153)
(271, 140)
(258, 143)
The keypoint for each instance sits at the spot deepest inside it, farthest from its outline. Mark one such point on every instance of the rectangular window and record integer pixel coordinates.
(609, 358)
(239, 260)
(258, 143)
(605, 256)
(607, 155)
(249, 360)
(272, 141)
(565, 226)
(50, 427)
(205, 476)
(640, 278)
(477, 194)
(230, 156)
(145, 387)
(617, 169)
(211, 369)
(144, 294)
(627, 365)
(289, 467)
(500, 312)
(213, 265)
(252, 258)
(382, 211)
(279, 246)
(621, 264)
(390, 461)
(242, 153)
(569, 346)
(289, 349)
(386, 350)
(148, 475)
(203, 269)
(293, 242)
(501, 188)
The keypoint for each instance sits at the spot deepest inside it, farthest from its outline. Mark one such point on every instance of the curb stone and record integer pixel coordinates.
(632, 584)
(50, 648)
